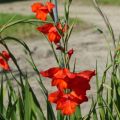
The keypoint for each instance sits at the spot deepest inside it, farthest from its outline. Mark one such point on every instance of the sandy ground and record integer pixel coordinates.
(89, 45)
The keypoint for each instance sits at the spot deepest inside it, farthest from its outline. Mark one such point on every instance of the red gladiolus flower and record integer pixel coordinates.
(4, 60)
(64, 79)
(76, 85)
(67, 103)
(50, 30)
(42, 10)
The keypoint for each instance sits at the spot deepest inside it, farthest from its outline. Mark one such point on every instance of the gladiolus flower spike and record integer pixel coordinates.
(76, 83)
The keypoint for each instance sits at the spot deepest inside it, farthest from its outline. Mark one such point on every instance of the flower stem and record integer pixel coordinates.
(55, 11)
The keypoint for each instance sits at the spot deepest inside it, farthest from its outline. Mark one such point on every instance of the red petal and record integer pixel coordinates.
(71, 75)
(4, 64)
(50, 6)
(36, 6)
(78, 98)
(53, 29)
(61, 74)
(50, 72)
(53, 97)
(69, 108)
(66, 104)
(79, 84)
(6, 55)
(45, 28)
(87, 74)
(53, 35)
(60, 83)
(41, 15)
(44, 9)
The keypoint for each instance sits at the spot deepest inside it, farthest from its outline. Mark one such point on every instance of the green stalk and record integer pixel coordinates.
(55, 11)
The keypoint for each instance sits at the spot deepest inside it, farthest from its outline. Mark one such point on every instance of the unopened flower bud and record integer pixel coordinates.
(70, 52)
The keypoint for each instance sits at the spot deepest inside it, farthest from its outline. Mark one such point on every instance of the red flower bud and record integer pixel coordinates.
(4, 60)
(70, 52)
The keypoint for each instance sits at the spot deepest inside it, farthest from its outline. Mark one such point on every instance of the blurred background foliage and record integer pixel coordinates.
(106, 2)
(3, 1)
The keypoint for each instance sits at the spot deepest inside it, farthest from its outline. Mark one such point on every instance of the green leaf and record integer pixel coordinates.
(108, 110)
(11, 111)
(27, 102)
(60, 115)
(78, 114)
(1, 96)
(117, 110)
(2, 117)
(94, 110)
(36, 108)
(50, 112)
(21, 107)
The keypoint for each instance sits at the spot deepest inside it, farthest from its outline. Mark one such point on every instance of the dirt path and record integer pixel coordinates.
(89, 45)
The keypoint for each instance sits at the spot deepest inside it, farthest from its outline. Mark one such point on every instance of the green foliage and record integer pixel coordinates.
(4, 1)
(110, 2)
